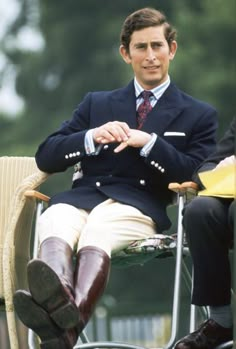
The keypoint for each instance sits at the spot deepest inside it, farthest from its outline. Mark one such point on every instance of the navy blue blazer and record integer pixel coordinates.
(186, 130)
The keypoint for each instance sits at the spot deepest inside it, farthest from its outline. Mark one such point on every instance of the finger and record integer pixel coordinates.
(120, 131)
(102, 140)
(125, 128)
(117, 133)
(125, 132)
(112, 131)
(121, 147)
(105, 137)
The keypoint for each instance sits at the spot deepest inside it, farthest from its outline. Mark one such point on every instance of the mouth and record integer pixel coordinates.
(151, 67)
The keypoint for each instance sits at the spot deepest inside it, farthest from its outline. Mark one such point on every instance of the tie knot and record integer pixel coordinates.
(146, 94)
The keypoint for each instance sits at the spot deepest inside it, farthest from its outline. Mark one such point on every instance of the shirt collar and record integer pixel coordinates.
(157, 91)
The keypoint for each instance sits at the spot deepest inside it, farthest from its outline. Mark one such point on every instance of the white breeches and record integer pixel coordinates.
(111, 226)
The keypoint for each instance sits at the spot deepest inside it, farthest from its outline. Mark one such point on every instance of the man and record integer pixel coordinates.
(209, 227)
(120, 190)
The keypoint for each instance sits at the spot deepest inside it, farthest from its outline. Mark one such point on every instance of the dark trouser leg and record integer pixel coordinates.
(209, 235)
(51, 281)
(232, 215)
(91, 276)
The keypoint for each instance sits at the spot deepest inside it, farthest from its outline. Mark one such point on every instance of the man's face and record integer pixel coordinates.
(150, 55)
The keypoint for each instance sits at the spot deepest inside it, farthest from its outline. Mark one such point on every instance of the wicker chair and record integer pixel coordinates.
(17, 174)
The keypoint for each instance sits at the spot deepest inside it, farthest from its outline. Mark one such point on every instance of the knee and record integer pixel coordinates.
(201, 215)
(197, 209)
(96, 235)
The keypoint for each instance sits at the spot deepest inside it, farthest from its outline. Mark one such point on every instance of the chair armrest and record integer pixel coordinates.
(37, 195)
(185, 187)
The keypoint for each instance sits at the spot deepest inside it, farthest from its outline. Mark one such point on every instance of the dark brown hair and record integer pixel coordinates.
(144, 18)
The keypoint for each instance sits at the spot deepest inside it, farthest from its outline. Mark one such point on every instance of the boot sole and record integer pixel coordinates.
(34, 317)
(45, 285)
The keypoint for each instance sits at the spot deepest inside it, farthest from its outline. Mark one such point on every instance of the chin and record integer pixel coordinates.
(152, 83)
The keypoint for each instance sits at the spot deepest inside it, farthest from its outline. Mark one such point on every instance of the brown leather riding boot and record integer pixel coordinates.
(91, 276)
(50, 281)
(35, 317)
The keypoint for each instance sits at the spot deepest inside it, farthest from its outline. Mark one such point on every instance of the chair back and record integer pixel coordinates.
(13, 170)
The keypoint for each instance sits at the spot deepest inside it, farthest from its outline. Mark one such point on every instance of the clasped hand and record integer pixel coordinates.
(116, 131)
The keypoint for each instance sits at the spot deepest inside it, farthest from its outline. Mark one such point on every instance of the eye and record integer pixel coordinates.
(141, 46)
(156, 45)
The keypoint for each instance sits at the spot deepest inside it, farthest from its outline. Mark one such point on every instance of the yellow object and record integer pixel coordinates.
(220, 182)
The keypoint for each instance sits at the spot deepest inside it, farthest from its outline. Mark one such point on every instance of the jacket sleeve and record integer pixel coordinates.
(179, 164)
(65, 147)
(225, 148)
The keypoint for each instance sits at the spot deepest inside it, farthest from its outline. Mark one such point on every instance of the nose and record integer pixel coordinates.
(150, 54)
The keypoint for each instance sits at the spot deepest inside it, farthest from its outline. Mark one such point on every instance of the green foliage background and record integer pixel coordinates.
(81, 54)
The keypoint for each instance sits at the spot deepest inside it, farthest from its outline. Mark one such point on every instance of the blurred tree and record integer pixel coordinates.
(205, 63)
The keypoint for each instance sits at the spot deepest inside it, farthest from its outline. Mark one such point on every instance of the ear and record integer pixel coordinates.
(173, 49)
(124, 54)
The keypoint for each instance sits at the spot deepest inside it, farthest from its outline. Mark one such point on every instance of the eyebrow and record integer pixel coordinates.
(145, 43)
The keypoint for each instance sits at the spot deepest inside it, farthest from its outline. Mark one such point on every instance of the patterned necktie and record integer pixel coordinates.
(144, 108)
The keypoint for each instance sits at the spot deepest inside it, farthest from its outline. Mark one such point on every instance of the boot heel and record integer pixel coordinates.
(67, 339)
(67, 316)
(54, 343)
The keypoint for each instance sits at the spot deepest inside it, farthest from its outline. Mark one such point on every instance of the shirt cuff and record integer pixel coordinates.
(148, 147)
(89, 145)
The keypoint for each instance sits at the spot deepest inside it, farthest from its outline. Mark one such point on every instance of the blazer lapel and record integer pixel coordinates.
(165, 111)
(123, 105)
